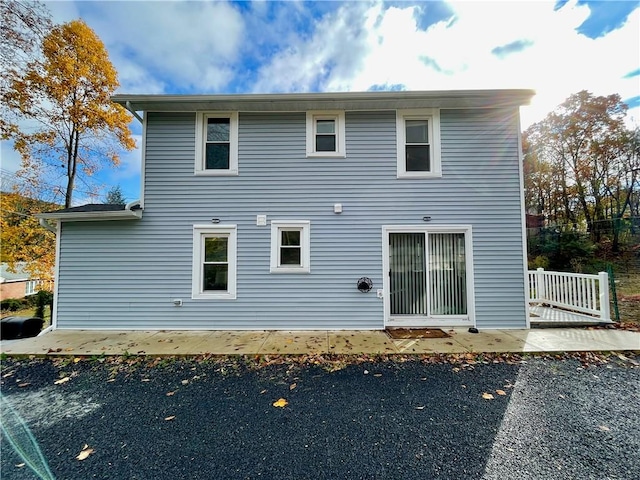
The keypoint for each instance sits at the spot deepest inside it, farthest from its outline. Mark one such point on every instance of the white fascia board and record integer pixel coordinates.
(92, 216)
(349, 101)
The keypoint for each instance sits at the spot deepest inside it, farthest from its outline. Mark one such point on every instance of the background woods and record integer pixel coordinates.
(582, 172)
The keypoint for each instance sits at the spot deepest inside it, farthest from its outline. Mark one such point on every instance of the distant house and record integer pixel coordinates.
(308, 211)
(18, 284)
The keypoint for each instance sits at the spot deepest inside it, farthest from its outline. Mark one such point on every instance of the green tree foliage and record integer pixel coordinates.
(115, 196)
(67, 125)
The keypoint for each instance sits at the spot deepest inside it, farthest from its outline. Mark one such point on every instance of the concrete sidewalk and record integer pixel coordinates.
(177, 342)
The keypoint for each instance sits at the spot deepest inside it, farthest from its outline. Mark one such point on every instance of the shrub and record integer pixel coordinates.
(43, 298)
(11, 304)
(540, 261)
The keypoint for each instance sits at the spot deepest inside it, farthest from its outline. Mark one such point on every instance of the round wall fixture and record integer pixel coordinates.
(365, 284)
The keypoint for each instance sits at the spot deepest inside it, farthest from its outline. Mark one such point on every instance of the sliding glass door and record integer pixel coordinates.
(427, 274)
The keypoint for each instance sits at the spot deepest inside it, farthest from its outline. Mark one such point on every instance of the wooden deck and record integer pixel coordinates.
(540, 316)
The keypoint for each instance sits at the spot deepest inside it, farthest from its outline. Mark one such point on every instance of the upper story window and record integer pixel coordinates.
(325, 134)
(418, 137)
(290, 245)
(217, 143)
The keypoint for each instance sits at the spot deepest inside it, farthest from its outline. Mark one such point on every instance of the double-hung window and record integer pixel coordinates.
(290, 243)
(214, 262)
(217, 143)
(325, 134)
(418, 137)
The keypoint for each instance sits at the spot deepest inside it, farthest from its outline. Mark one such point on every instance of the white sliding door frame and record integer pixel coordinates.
(431, 320)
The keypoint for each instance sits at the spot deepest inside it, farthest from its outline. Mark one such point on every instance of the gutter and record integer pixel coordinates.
(129, 213)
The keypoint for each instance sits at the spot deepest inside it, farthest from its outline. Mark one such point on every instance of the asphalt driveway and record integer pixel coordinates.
(548, 419)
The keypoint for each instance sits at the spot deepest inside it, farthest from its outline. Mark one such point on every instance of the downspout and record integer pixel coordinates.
(48, 226)
(133, 112)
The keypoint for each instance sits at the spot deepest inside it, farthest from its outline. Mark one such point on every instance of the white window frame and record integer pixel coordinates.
(338, 117)
(30, 287)
(201, 143)
(432, 115)
(200, 232)
(278, 226)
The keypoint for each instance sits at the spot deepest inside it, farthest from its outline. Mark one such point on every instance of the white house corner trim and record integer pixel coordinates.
(56, 279)
(523, 218)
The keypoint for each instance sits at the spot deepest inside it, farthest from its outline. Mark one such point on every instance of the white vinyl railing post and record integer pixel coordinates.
(603, 280)
(541, 293)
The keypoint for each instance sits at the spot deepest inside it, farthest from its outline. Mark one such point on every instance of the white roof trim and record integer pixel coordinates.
(349, 101)
(92, 216)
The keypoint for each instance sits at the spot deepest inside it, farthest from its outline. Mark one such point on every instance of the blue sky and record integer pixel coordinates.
(557, 48)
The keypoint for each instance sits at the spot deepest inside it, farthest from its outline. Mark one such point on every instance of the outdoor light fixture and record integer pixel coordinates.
(426, 219)
(215, 220)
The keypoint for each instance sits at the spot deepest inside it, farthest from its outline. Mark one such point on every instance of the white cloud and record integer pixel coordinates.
(160, 46)
(361, 45)
(332, 55)
(9, 158)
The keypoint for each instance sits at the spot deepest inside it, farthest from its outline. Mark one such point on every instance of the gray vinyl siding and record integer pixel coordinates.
(125, 274)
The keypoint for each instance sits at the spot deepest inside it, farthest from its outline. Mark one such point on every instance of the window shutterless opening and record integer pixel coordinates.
(216, 143)
(290, 246)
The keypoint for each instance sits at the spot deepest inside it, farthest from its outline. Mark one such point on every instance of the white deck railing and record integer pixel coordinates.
(576, 292)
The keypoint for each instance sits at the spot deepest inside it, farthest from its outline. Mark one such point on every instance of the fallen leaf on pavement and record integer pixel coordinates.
(26, 384)
(281, 403)
(604, 428)
(61, 381)
(292, 386)
(169, 394)
(487, 396)
(263, 391)
(377, 374)
(86, 451)
(420, 408)
(172, 417)
(501, 392)
(77, 359)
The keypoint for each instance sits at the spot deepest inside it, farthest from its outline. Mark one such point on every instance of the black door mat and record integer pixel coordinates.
(402, 333)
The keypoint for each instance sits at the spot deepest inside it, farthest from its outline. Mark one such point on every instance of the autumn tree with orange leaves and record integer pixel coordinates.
(24, 240)
(67, 125)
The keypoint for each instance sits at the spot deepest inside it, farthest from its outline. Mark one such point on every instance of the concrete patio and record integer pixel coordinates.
(160, 343)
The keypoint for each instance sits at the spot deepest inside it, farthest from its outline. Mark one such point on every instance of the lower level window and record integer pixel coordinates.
(290, 244)
(214, 262)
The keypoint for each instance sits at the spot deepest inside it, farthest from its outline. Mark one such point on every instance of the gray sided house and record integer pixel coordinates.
(307, 211)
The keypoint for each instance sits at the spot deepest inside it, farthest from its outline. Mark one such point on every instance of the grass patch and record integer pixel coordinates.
(628, 291)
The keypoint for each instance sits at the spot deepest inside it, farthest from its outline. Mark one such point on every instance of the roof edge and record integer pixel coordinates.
(91, 216)
(348, 100)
